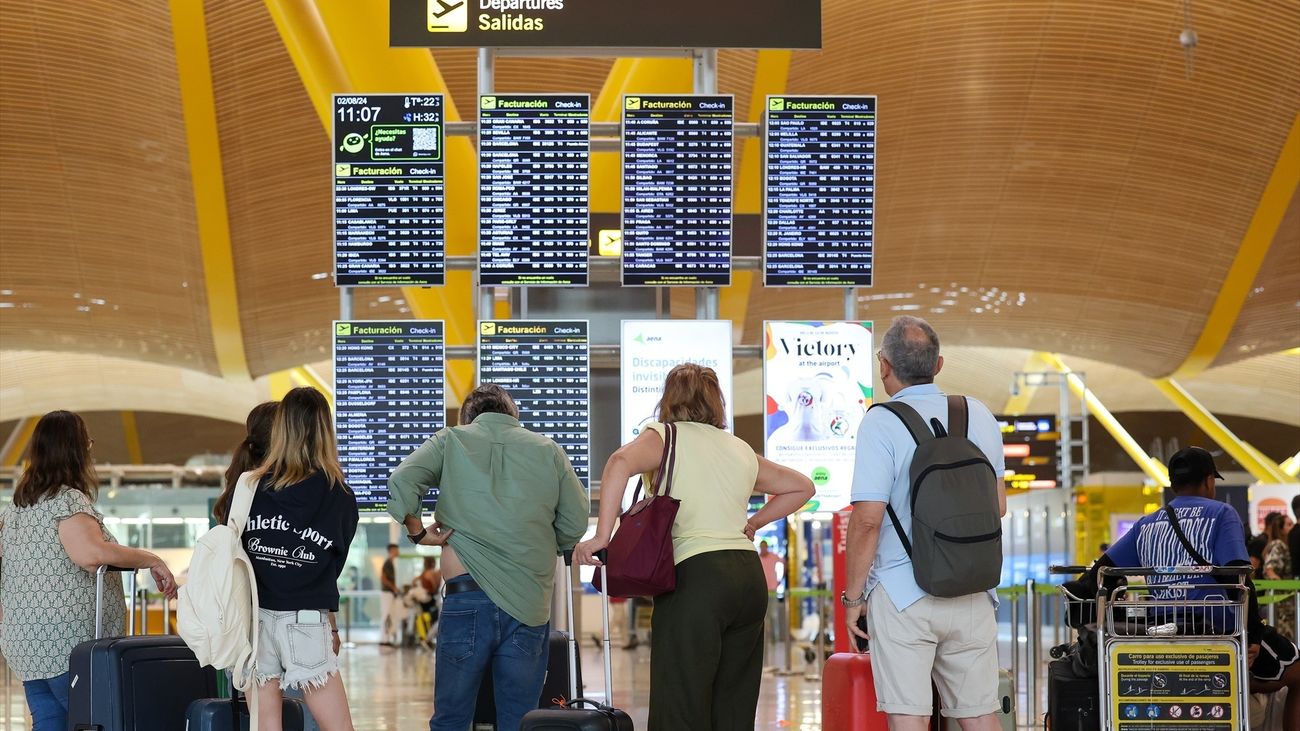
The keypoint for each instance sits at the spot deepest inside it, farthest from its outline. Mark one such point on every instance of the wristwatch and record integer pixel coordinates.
(846, 601)
(416, 538)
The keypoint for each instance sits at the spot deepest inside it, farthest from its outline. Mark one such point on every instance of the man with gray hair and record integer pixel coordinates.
(916, 636)
(508, 502)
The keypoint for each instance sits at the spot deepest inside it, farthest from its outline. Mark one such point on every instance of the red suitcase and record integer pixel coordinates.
(849, 695)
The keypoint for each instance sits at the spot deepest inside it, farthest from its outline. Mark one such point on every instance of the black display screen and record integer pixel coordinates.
(820, 191)
(1031, 446)
(532, 182)
(677, 153)
(545, 366)
(389, 396)
(389, 219)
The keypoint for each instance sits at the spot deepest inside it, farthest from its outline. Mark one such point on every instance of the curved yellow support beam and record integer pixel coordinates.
(1259, 466)
(199, 105)
(1250, 257)
(1145, 462)
(17, 442)
(131, 433)
(1291, 467)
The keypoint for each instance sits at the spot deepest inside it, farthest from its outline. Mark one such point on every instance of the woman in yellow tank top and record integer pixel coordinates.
(706, 635)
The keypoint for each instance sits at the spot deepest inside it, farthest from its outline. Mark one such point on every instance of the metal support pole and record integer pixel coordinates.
(486, 85)
(850, 303)
(1067, 448)
(1015, 642)
(345, 303)
(1032, 624)
(705, 81)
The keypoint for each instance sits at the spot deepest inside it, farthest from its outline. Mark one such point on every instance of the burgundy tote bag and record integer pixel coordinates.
(640, 555)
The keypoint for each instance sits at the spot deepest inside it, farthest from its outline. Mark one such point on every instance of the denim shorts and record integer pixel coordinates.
(299, 655)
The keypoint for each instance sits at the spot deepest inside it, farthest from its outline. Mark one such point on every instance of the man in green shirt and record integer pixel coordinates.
(508, 503)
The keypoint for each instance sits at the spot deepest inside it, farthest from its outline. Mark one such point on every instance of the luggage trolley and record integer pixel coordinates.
(1166, 660)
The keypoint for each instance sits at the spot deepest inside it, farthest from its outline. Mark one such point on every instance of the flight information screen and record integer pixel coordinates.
(388, 190)
(820, 191)
(545, 366)
(388, 398)
(532, 183)
(677, 153)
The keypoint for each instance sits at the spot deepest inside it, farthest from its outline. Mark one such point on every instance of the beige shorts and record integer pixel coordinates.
(953, 641)
(301, 656)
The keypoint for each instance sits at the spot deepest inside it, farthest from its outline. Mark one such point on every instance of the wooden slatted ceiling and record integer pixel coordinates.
(1057, 149)
(98, 244)
(1270, 320)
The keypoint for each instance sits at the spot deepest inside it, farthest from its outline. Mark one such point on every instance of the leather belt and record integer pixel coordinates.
(458, 584)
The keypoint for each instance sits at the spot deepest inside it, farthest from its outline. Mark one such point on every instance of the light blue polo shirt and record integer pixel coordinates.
(882, 466)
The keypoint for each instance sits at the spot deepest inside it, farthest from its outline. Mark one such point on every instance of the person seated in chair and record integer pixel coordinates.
(1208, 532)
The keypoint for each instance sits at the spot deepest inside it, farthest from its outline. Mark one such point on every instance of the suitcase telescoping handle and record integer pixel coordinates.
(603, 556)
(100, 573)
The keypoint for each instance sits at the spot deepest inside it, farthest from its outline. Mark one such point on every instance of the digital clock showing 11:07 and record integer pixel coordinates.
(389, 208)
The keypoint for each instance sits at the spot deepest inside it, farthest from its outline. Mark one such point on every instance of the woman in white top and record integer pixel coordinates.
(706, 641)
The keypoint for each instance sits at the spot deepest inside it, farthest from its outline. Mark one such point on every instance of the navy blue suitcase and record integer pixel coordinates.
(217, 714)
(581, 714)
(133, 683)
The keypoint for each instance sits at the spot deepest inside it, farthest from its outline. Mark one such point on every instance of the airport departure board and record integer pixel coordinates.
(389, 225)
(677, 153)
(820, 191)
(545, 366)
(532, 189)
(389, 396)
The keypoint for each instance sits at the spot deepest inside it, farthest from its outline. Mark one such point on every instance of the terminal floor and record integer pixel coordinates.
(393, 689)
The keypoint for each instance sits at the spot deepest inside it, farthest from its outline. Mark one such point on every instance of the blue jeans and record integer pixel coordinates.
(48, 702)
(474, 633)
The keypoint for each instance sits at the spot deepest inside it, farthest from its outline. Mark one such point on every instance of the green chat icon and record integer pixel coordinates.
(353, 142)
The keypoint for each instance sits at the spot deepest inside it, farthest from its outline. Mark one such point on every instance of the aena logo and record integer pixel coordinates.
(447, 17)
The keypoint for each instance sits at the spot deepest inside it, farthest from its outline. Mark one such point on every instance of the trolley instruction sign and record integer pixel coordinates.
(389, 209)
(1174, 686)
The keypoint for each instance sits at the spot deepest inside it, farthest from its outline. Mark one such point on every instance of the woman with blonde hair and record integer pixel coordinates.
(706, 640)
(299, 529)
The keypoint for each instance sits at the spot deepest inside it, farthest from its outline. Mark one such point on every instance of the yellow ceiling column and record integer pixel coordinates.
(341, 46)
(771, 75)
(279, 384)
(1254, 247)
(629, 76)
(199, 105)
(1291, 467)
(1153, 469)
(131, 433)
(16, 444)
(1259, 466)
(307, 376)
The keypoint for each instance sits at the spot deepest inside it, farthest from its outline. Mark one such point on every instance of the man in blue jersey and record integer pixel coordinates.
(1213, 529)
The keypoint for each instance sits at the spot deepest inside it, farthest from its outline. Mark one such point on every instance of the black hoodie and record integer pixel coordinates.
(297, 539)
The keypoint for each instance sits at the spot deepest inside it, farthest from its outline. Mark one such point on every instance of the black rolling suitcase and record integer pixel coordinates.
(555, 689)
(133, 683)
(1073, 702)
(581, 714)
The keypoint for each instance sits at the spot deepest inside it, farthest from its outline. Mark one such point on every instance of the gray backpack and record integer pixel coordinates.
(956, 541)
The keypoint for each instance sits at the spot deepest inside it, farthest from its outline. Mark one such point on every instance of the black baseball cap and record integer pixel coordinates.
(1191, 465)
